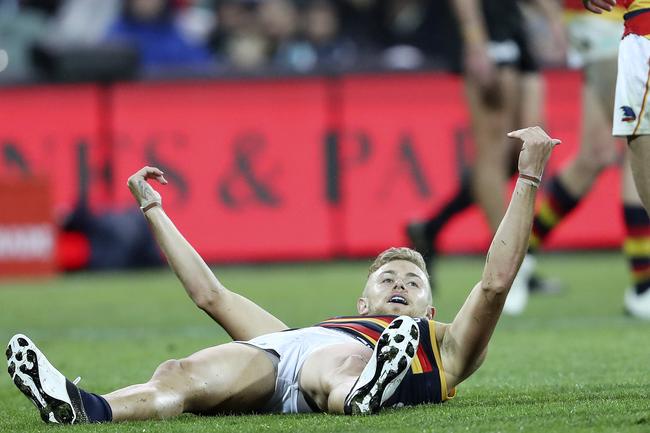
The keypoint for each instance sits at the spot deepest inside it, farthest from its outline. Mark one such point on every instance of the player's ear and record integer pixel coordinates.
(431, 312)
(362, 306)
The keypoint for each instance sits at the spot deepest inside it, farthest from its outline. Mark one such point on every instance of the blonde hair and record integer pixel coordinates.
(401, 253)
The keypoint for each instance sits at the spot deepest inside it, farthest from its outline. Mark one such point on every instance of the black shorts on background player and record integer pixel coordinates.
(508, 40)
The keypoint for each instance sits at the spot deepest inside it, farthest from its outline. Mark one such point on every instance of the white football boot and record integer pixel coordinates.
(637, 305)
(56, 398)
(391, 359)
(518, 296)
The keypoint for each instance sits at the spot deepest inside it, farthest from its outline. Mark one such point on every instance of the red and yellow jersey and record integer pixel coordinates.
(637, 18)
(635, 5)
(425, 382)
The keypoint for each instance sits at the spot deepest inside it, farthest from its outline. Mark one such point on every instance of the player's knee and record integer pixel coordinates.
(598, 153)
(169, 368)
(167, 402)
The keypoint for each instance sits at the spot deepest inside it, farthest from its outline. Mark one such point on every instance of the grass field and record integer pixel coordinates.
(572, 363)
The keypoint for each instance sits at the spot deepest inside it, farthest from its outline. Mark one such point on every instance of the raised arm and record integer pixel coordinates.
(240, 317)
(465, 341)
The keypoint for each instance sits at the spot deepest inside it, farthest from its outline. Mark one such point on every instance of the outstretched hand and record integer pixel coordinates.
(598, 6)
(144, 193)
(535, 150)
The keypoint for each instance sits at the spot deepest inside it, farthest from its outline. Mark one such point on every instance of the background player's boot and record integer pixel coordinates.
(390, 361)
(421, 242)
(518, 296)
(543, 285)
(56, 398)
(637, 305)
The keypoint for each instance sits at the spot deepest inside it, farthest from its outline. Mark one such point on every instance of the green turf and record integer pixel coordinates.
(572, 363)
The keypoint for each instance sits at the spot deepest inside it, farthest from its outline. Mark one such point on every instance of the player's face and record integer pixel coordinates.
(399, 287)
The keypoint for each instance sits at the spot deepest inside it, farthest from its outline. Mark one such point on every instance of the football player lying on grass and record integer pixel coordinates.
(392, 354)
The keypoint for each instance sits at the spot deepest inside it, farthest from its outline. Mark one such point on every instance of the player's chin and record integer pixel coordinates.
(398, 309)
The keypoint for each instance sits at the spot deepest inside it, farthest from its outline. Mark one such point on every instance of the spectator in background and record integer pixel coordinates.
(112, 239)
(238, 39)
(21, 24)
(356, 21)
(406, 31)
(280, 22)
(149, 26)
(321, 22)
(282, 35)
(82, 22)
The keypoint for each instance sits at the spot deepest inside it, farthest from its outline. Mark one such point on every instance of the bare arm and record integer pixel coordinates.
(476, 62)
(465, 342)
(553, 13)
(240, 317)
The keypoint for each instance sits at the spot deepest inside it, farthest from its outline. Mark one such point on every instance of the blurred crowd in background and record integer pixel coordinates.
(115, 39)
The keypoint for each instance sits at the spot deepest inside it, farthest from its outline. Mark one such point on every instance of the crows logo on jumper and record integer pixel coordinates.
(628, 114)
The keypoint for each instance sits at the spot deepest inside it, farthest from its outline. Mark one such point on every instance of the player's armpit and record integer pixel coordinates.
(465, 342)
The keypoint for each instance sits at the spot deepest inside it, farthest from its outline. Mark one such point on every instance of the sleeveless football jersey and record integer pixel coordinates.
(425, 382)
(634, 5)
(637, 18)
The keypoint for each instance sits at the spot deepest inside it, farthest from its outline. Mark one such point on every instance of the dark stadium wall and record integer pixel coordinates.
(283, 169)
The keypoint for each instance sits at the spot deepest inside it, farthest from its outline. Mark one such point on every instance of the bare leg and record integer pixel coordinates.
(530, 107)
(490, 122)
(628, 189)
(635, 248)
(640, 162)
(230, 377)
(597, 147)
(329, 374)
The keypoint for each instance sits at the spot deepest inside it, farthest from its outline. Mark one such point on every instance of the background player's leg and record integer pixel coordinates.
(423, 235)
(636, 247)
(597, 151)
(491, 119)
(528, 111)
(565, 190)
(530, 102)
(230, 377)
(640, 162)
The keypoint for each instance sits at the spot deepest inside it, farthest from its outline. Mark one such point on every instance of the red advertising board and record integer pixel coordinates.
(55, 132)
(399, 153)
(285, 169)
(244, 161)
(27, 230)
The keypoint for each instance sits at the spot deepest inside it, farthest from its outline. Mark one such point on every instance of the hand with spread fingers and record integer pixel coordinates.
(599, 6)
(535, 151)
(144, 194)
